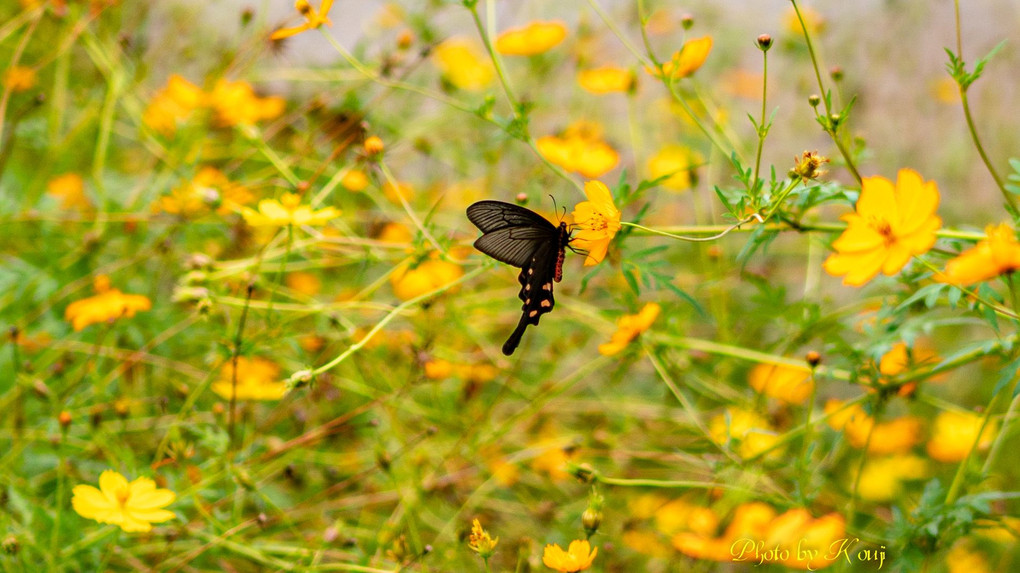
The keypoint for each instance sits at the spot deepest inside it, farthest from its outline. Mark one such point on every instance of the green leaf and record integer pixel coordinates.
(1006, 375)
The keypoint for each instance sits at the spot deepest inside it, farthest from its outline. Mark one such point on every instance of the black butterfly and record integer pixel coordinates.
(523, 238)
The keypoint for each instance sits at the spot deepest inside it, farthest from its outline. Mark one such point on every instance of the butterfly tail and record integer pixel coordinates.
(515, 338)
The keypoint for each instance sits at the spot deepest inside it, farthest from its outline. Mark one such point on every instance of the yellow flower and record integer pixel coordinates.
(646, 542)
(963, 558)
(19, 78)
(172, 104)
(461, 65)
(304, 283)
(535, 38)
(395, 233)
(235, 103)
(107, 304)
(998, 254)
(480, 541)
(210, 188)
(606, 79)
(679, 515)
(785, 383)
(890, 225)
(628, 327)
(945, 90)
(750, 521)
(813, 21)
(132, 506)
(70, 189)
(896, 436)
(900, 359)
(428, 276)
(438, 369)
(257, 379)
(287, 211)
(355, 180)
(313, 19)
(576, 558)
(797, 530)
(580, 150)
(955, 433)
(747, 432)
(882, 478)
(678, 163)
(684, 62)
(597, 221)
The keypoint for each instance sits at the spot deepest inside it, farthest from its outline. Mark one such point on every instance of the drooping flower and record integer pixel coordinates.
(461, 65)
(19, 78)
(628, 327)
(606, 79)
(480, 541)
(132, 506)
(891, 224)
(785, 383)
(954, 435)
(428, 276)
(70, 189)
(580, 149)
(235, 103)
(997, 255)
(287, 211)
(535, 38)
(107, 304)
(575, 558)
(678, 163)
(685, 61)
(257, 379)
(312, 18)
(597, 221)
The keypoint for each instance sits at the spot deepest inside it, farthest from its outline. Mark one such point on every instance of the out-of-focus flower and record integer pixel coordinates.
(287, 211)
(107, 304)
(461, 65)
(305, 283)
(374, 145)
(394, 192)
(998, 254)
(606, 79)
(235, 103)
(785, 383)
(954, 435)
(882, 478)
(210, 189)
(390, 16)
(743, 83)
(257, 379)
(750, 522)
(395, 233)
(579, 150)
(813, 21)
(747, 432)
(173, 104)
(808, 541)
(438, 369)
(133, 506)
(428, 276)
(897, 436)
(70, 189)
(684, 62)
(891, 224)
(575, 558)
(19, 79)
(680, 515)
(900, 359)
(312, 18)
(535, 38)
(480, 541)
(646, 542)
(628, 327)
(962, 558)
(597, 220)
(945, 90)
(678, 163)
(354, 180)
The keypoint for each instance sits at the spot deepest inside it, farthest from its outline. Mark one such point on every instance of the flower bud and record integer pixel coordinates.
(374, 145)
(64, 418)
(836, 73)
(813, 358)
(814, 100)
(764, 42)
(591, 519)
(687, 21)
(522, 198)
(10, 544)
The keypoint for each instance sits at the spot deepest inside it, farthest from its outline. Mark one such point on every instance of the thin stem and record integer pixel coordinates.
(616, 31)
(486, 40)
(234, 358)
(851, 512)
(721, 234)
(761, 122)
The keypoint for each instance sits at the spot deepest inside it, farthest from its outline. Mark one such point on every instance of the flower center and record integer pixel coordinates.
(884, 228)
(123, 495)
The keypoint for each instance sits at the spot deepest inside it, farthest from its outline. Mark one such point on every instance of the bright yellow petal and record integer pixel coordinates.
(878, 199)
(918, 200)
(858, 237)
(288, 32)
(111, 483)
(897, 257)
(89, 502)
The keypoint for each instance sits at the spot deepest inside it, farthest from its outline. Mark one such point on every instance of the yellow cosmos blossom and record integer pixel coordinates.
(998, 254)
(210, 189)
(684, 62)
(964, 558)
(680, 515)
(954, 435)
(897, 436)
(891, 224)
(480, 541)
(647, 543)
(606, 79)
(19, 78)
(235, 103)
(461, 65)
(257, 379)
(750, 522)
(747, 432)
(535, 38)
(395, 233)
(133, 506)
(597, 220)
(677, 163)
(580, 149)
(813, 21)
(287, 211)
(785, 383)
(304, 283)
(882, 478)
(173, 104)
(628, 327)
(945, 90)
(313, 19)
(901, 359)
(428, 276)
(70, 189)
(808, 541)
(355, 180)
(575, 558)
(107, 304)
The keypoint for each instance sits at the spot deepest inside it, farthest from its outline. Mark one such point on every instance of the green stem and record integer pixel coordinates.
(234, 358)
(762, 131)
(490, 9)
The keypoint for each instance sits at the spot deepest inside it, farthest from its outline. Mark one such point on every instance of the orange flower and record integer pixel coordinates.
(480, 541)
(70, 189)
(108, 304)
(580, 150)
(746, 431)
(235, 103)
(209, 189)
(461, 65)
(998, 254)
(355, 180)
(606, 79)
(576, 558)
(628, 327)
(678, 163)
(257, 379)
(785, 383)
(896, 436)
(597, 221)
(684, 62)
(174, 103)
(19, 78)
(890, 225)
(882, 478)
(900, 359)
(535, 38)
(313, 19)
(428, 276)
(955, 433)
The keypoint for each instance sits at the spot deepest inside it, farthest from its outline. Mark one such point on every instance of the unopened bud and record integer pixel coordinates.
(591, 519)
(374, 145)
(814, 100)
(522, 198)
(764, 42)
(836, 73)
(64, 418)
(813, 358)
(687, 21)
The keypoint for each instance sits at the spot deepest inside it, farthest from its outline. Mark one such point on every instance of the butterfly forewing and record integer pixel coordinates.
(515, 245)
(494, 215)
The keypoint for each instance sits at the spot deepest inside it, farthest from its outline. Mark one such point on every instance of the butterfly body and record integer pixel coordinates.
(524, 239)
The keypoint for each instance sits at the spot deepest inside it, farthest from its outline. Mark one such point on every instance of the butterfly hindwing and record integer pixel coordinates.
(536, 280)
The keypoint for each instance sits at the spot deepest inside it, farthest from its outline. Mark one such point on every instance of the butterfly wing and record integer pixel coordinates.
(536, 280)
(492, 216)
